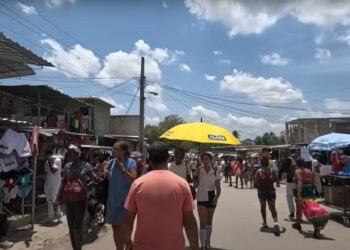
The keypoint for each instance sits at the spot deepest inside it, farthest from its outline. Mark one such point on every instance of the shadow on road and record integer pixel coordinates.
(310, 235)
(25, 236)
(271, 230)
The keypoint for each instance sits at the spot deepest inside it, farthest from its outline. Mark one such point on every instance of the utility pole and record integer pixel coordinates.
(142, 109)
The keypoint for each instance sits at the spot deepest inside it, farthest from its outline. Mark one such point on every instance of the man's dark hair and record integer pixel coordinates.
(158, 153)
(265, 161)
(180, 150)
(300, 163)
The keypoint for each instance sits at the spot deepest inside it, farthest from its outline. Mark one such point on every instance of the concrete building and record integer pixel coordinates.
(101, 118)
(305, 130)
(125, 125)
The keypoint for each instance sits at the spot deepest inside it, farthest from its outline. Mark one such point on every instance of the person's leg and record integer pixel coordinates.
(297, 225)
(241, 177)
(236, 181)
(203, 223)
(263, 211)
(79, 216)
(290, 200)
(50, 200)
(230, 179)
(272, 207)
(70, 220)
(118, 236)
(211, 212)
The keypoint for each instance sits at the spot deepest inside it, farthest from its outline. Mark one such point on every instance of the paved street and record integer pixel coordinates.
(237, 223)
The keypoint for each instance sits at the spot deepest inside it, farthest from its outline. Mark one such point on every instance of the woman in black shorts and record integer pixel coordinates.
(264, 182)
(207, 181)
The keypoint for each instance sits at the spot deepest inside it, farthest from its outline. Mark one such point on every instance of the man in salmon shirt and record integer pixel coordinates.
(163, 204)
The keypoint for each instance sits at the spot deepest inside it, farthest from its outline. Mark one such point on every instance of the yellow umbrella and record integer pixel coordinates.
(200, 132)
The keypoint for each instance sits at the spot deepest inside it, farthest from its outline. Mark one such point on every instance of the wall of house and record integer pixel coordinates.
(305, 131)
(101, 119)
(125, 125)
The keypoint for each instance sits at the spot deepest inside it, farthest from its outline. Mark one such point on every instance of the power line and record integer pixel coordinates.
(243, 103)
(42, 30)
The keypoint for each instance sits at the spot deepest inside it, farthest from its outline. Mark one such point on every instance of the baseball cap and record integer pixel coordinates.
(75, 148)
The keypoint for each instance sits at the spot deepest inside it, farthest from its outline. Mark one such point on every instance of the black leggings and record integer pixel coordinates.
(75, 219)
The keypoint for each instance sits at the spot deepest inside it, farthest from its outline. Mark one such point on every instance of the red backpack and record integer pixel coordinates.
(74, 189)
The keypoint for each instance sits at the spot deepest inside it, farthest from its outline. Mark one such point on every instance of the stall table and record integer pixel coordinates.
(344, 180)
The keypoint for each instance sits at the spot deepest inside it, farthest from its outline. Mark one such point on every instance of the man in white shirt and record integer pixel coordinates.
(180, 167)
(53, 169)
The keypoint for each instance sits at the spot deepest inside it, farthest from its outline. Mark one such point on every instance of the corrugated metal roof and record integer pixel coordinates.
(14, 59)
(93, 99)
(44, 94)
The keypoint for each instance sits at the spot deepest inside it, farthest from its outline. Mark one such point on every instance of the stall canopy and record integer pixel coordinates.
(14, 59)
(44, 94)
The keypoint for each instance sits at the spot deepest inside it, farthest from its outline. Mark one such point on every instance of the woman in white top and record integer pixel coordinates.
(207, 181)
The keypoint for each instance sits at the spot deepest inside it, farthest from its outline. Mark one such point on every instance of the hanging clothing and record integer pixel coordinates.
(12, 140)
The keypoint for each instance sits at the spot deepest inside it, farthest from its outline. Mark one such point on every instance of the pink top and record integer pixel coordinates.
(159, 198)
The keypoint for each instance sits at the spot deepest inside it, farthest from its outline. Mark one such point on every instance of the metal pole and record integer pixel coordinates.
(34, 190)
(142, 109)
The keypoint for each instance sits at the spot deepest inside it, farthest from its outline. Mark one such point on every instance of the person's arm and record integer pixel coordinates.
(299, 180)
(129, 223)
(57, 161)
(191, 228)
(218, 191)
(130, 173)
(189, 220)
(256, 179)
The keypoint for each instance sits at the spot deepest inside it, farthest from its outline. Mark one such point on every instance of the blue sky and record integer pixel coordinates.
(245, 65)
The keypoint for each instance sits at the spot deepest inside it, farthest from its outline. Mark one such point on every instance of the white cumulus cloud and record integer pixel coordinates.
(26, 9)
(129, 64)
(57, 3)
(335, 104)
(247, 126)
(210, 77)
(225, 61)
(155, 120)
(74, 62)
(274, 59)
(154, 98)
(322, 53)
(120, 63)
(165, 6)
(119, 108)
(253, 17)
(345, 38)
(184, 67)
(262, 90)
(217, 52)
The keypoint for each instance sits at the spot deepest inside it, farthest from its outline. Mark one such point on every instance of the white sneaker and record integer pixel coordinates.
(6, 244)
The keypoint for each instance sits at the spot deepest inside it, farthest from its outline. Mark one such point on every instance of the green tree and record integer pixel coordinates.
(153, 132)
(235, 134)
(247, 141)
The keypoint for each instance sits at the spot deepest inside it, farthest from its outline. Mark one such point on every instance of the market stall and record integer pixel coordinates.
(335, 170)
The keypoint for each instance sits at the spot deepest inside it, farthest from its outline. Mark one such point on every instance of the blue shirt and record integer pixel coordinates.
(118, 190)
(346, 168)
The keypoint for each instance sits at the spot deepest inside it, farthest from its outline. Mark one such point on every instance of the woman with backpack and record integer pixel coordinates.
(122, 172)
(73, 192)
(207, 180)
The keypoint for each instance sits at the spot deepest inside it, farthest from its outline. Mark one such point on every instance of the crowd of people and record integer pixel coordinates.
(162, 193)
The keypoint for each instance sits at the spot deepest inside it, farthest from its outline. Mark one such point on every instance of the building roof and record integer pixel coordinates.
(44, 94)
(14, 59)
(319, 118)
(93, 99)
